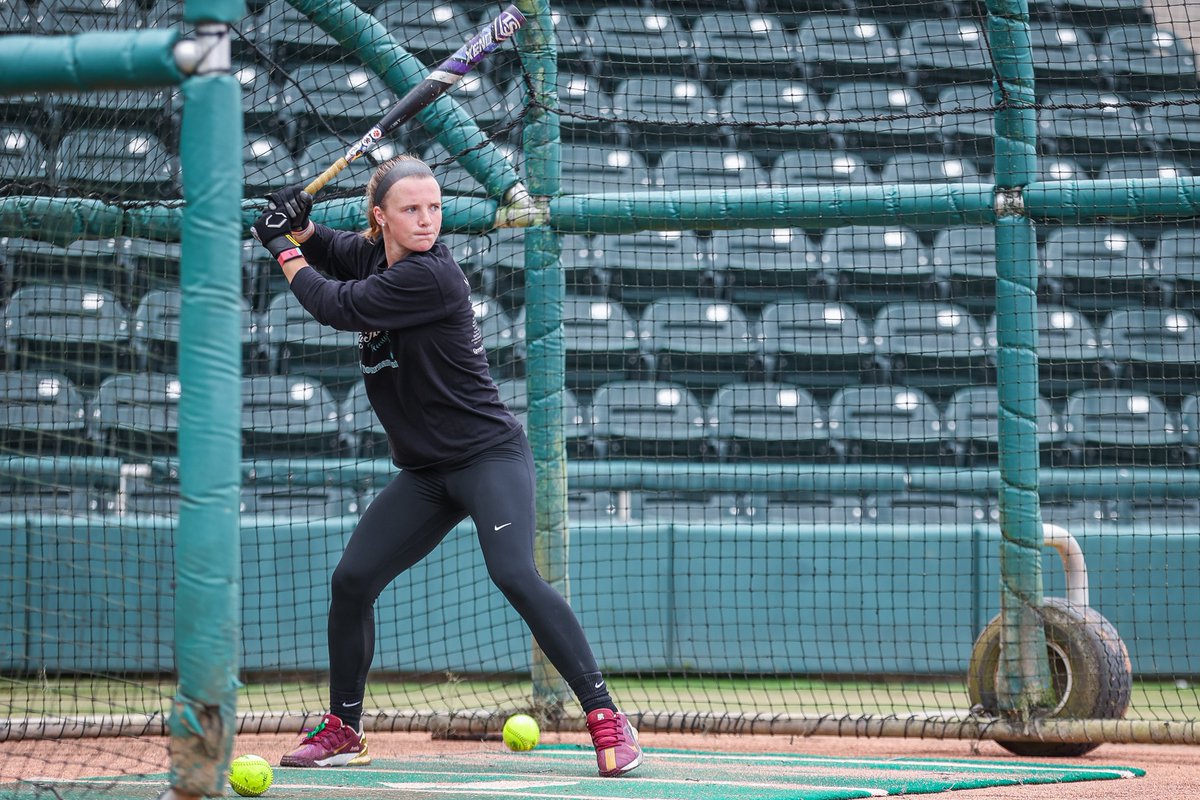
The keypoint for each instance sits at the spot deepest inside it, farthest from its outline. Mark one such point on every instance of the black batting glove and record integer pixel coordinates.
(273, 231)
(293, 201)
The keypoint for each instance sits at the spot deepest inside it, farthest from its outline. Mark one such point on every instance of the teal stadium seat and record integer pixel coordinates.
(288, 416)
(429, 29)
(70, 17)
(130, 164)
(24, 161)
(1089, 126)
(756, 421)
(1068, 350)
(1156, 350)
(332, 99)
(643, 266)
(1146, 59)
(840, 47)
(576, 428)
(1096, 268)
(878, 264)
(648, 419)
(767, 116)
(261, 99)
(972, 418)
(41, 414)
(831, 167)
(878, 118)
(1174, 122)
(713, 168)
(293, 39)
(498, 265)
(318, 154)
(1095, 16)
(78, 331)
(601, 341)
(1059, 168)
(666, 112)
(944, 52)
(1064, 58)
(935, 346)
(454, 177)
(702, 344)
(966, 114)
(156, 330)
(584, 107)
(595, 168)
(764, 265)
(502, 340)
(147, 110)
(964, 258)
(793, 13)
(362, 434)
(1122, 427)
(136, 417)
(629, 41)
(267, 165)
(822, 346)
(1177, 262)
(1189, 419)
(299, 345)
(887, 424)
(729, 45)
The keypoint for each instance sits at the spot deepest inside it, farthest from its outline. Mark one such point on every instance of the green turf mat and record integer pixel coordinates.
(567, 772)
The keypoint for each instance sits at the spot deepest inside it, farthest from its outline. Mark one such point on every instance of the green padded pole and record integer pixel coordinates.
(88, 61)
(208, 567)
(1024, 681)
(545, 286)
(359, 32)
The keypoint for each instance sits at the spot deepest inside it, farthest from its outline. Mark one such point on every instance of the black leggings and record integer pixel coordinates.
(410, 517)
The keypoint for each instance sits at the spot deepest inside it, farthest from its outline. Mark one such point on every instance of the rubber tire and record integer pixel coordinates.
(1090, 672)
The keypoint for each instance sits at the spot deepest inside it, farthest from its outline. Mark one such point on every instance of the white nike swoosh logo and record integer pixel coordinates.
(598, 685)
(351, 705)
(498, 527)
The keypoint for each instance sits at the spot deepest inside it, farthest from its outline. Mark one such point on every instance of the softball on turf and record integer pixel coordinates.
(521, 732)
(250, 776)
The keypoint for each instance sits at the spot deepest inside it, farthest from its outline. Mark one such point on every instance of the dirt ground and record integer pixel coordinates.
(1172, 771)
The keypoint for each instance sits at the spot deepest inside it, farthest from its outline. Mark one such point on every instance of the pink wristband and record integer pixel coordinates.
(288, 255)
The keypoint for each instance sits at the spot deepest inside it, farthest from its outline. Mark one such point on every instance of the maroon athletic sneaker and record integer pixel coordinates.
(616, 742)
(330, 744)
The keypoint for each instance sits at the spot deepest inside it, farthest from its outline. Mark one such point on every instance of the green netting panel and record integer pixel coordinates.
(754, 330)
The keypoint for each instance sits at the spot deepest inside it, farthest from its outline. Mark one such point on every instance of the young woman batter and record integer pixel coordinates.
(460, 451)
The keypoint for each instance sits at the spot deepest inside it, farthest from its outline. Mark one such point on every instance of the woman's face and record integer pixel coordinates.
(411, 214)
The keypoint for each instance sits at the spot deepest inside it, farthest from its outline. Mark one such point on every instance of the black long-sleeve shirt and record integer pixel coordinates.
(421, 351)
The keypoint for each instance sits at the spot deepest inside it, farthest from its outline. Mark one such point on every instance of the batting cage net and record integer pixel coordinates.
(814, 387)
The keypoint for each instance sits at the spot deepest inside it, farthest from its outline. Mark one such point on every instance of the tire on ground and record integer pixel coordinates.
(1090, 672)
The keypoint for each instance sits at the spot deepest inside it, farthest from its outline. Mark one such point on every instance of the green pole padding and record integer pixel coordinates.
(546, 363)
(230, 12)
(1024, 670)
(208, 568)
(64, 219)
(59, 220)
(804, 206)
(97, 60)
(1133, 199)
(1024, 680)
(359, 32)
